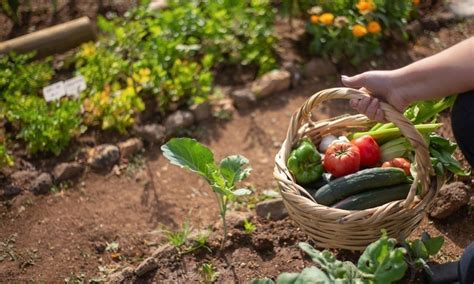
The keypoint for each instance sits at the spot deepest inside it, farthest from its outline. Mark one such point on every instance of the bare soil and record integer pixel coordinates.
(65, 234)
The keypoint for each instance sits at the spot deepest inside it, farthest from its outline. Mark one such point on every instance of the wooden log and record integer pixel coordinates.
(56, 39)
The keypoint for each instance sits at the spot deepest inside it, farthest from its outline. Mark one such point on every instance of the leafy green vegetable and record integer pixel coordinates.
(441, 151)
(192, 155)
(420, 250)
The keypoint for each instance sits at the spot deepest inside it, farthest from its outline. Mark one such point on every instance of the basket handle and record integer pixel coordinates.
(422, 158)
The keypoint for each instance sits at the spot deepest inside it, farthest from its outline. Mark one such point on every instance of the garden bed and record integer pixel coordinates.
(71, 233)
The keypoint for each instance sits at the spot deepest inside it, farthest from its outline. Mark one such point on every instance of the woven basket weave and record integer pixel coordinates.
(353, 230)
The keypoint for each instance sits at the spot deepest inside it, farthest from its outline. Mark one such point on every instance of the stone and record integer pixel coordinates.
(462, 8)
(67, 171)
(10, 191)
(129, 147)
(271, 82)
(157, 5)
(273, 209)
(318, 67)
(123, 276)
(152, 133)
(201, 111)
(103, 157)
(146, 266)
(295, 71)
(42, 184)
(179, 119)
(24, 178)
(450, 199)
(243, 98)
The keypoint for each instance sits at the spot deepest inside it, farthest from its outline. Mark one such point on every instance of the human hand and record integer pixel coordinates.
(380, 85)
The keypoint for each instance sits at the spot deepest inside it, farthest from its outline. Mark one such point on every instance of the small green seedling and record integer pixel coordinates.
(192, 155)
(209, 273)
(381, 262)
(178, 238)
(420, 250)
(249, 227)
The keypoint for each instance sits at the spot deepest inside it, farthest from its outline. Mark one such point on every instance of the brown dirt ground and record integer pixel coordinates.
(64, 234)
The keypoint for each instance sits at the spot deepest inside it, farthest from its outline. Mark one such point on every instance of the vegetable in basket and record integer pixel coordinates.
(341, 158)
(305, 162)
(369, 150)
(400, 163)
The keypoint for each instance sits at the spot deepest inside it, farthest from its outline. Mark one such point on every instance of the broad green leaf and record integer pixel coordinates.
(418, 249)
(190, 154)
(262, 281)
(433, 245)
(242, 191)
(383, 260)
(232, 169)
(308, 275)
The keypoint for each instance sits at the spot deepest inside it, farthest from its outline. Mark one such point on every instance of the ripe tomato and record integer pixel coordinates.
(401, 163)
(369, 150)
(341, 158)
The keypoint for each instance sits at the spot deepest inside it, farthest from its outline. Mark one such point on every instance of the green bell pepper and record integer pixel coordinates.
(305, 163)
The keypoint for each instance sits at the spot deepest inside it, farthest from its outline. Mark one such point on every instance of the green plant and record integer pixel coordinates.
(182, 240)
(420, 250)
(351, 29)
(44, 127)
(178, 238)
(249, 227)
(192, 155)
(381, 262)
(208, 272)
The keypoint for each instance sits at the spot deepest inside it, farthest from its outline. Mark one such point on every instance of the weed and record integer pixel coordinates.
(178, 238)
(209, 273)
(249, 227)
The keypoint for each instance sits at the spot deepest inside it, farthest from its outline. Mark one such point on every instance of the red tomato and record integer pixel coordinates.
(369, 150)
(341, 158)
(401, 163)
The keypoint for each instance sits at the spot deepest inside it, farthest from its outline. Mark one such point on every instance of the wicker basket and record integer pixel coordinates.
(353, 230)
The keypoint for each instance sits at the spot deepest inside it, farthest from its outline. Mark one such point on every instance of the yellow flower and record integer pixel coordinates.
(359, 30)
(314, 19)
(365, 6)
(143, 76)
(374, 27)
(340, 21)
(416, 2)
(326, 18)
(88, 49)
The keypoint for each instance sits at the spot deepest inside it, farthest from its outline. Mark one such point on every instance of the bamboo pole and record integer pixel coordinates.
(56, 39)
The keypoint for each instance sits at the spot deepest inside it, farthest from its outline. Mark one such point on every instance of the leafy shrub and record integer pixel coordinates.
(44, 127)
(353, 29)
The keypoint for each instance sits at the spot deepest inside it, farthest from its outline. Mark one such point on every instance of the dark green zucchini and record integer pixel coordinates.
(374, 198)
(358, 182)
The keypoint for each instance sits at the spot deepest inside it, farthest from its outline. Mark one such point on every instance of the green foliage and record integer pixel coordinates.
(182, 241)
(44, 127)
(178, 238)
(209, 273)
(249, 227)
(381, 262)
(192, 155)
(441, 152)
(420, 250)
(349, 29)
(5, 158)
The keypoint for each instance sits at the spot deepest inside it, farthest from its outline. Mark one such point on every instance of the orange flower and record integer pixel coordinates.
(359, 30)
(326, 18)
(374, 27)
(416, 2)
(314, 19)
(365, 6)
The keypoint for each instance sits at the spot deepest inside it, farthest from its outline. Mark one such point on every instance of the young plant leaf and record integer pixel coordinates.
(383, 260)
(232, 169)
(262, 281)
(308, 275)
(190, 154)
(418, 249)
(433, 245)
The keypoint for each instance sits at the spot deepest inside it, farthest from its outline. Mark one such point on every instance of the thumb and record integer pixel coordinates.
(357, 81)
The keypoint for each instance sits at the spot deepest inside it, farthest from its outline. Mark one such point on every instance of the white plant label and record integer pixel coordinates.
(54, 91)
(72, 87)
(75, 86)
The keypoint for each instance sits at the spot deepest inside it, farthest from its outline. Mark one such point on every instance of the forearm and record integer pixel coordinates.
(448, 72)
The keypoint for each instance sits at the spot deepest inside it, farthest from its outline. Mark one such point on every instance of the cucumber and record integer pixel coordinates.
(374, 198)
(358, 182)
(313, 187)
